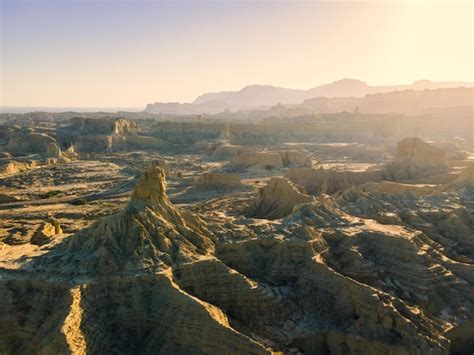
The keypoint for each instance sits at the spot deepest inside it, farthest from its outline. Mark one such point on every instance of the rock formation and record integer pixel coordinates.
(331, 276)
(277, 199)
(27, 141)
(103, 126)
(415, 158)
(105, 134)
(294, 158)
(13, 166)
(55, 155)
(218, 181)
(150, 234)
(317, 181)
(46, 232)
(53, 150)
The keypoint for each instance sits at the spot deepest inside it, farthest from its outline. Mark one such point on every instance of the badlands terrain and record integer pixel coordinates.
(283, 230)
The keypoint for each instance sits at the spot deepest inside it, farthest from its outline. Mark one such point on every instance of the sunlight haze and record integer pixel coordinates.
(126, 54)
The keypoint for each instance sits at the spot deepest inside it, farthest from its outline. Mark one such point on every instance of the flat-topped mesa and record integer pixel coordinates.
(419, 152)
(277, 199)
(105, 125)
(415, 158)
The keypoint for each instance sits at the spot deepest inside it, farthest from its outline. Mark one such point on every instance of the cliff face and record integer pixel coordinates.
(25, 142)
(415, 158)
(420, 153)
(103, 126)
(106, 134)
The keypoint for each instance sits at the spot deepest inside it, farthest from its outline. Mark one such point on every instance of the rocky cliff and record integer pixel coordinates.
(415, 158)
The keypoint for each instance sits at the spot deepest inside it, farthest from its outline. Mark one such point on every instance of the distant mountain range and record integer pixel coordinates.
(264, 96)
(408, 102)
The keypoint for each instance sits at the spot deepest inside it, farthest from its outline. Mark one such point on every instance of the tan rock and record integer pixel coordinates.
(103, 126)
(277, 199)
(53, 150)
(415, 158)
(46, 232)
(12, 166)
(294, 158)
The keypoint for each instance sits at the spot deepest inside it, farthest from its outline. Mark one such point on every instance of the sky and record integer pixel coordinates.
(115, 53)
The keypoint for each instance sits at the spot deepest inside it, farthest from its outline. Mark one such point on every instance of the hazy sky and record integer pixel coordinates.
(129, 53)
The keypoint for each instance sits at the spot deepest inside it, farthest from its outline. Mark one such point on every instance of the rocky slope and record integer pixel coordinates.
(277, 199)
(377, 270)
(317, 181)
